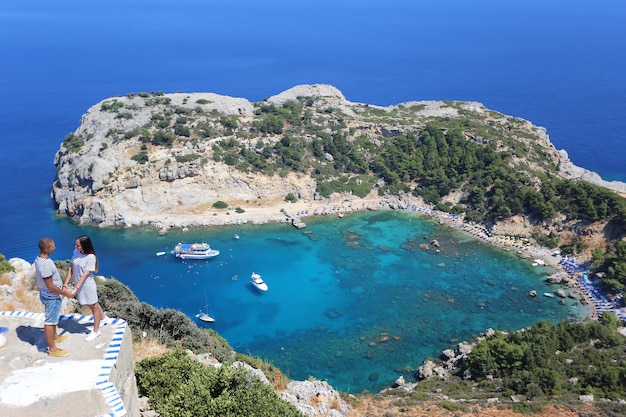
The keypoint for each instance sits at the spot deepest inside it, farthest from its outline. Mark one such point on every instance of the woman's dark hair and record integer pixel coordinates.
(85, 243)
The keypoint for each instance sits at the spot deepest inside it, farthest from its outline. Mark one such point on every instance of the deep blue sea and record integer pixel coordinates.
(336, 292)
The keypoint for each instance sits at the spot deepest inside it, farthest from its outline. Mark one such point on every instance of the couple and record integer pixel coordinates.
(51, 287)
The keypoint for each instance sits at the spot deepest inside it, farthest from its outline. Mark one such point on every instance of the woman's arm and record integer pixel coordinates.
(68, 276)
(82, 280)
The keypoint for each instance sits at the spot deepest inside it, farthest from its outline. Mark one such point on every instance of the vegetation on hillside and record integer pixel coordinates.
(550, 359)
(546, 363)
(5, 266)
(180, 386)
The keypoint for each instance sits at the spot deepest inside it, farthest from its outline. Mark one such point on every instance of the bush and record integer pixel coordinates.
(5, 266)
(187, 158)
(220, 205)
(141, 158)
(73, 143)
(180, 386)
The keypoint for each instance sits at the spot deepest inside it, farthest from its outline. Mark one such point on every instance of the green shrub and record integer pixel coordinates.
(73, 142)
(111, 105)
(220, 205)
(141, 157)
(187, 158)
(5, 266)
(179, 386)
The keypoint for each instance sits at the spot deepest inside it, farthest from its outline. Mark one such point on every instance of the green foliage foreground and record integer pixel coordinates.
(179, 386)
(5, 266)
(550, 359)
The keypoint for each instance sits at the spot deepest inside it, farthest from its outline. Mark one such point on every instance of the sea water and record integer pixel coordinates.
(357, 301)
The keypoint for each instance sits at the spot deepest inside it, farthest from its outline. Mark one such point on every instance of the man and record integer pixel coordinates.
(50, 291)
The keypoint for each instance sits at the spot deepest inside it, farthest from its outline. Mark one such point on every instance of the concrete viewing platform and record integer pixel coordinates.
(96, 378)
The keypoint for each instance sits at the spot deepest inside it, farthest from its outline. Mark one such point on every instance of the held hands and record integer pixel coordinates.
(70, 292)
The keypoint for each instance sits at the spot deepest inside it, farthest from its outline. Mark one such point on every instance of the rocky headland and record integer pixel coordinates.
(162, 159)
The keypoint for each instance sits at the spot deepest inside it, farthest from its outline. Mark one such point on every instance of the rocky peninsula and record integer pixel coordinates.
(162, 159)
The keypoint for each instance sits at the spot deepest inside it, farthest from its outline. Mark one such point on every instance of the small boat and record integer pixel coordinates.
(195, 251)
(548, 294)
(258, 282)
(160, 253)
(204, 317)
(235, 236)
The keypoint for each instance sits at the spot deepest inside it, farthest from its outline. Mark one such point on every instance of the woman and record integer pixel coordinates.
(84, 264)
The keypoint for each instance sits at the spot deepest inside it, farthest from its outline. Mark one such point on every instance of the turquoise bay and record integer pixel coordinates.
(354, 301)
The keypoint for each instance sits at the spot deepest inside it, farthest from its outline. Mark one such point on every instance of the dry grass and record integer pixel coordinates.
(9, 305)
(280, 380)
(148, 348)
(25, 297)
(29, 299)
(5, 279)
(381, 407)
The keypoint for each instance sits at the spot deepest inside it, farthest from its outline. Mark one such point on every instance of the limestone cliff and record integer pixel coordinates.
(165, 159)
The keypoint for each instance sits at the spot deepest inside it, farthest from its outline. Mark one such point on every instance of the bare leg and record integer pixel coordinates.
(50, 333)
(98, 315)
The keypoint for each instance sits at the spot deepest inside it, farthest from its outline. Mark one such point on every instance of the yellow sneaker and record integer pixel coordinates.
(62, 338)
(58, 353)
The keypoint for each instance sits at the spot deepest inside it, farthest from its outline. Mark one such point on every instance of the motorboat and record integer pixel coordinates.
(204, 317)
(195, 251)
(258, 282)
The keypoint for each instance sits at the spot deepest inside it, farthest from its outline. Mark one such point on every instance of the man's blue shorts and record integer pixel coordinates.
(53, 310)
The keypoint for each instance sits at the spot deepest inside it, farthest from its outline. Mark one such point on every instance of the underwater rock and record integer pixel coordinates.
(333, 314)
(358, 290)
